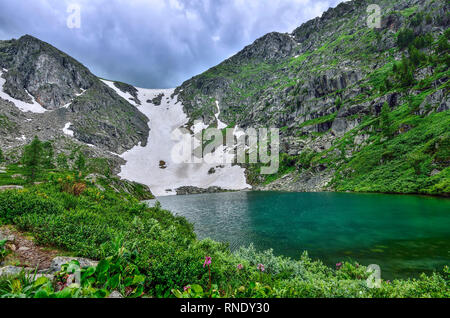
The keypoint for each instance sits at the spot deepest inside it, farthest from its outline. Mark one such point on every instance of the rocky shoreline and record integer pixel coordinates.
(188, 190)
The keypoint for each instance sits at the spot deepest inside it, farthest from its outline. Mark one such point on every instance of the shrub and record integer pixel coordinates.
(385, 120)
(405, 38)
(417, 19)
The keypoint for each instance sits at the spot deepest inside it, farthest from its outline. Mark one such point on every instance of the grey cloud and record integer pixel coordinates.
(154, 43)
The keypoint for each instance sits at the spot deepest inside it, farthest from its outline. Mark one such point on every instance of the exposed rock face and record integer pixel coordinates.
(103, 119)
(49, 75)
(306, 182)
(127, 88)
(157, 100)
(139, 191)
(318, 83)
(99, 116)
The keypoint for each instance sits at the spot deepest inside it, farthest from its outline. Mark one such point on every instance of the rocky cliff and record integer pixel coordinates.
(35, 72)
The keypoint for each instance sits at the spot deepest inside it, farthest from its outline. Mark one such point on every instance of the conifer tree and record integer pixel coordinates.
(32, 159)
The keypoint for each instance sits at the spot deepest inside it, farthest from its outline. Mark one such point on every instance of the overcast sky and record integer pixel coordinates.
(154, 43)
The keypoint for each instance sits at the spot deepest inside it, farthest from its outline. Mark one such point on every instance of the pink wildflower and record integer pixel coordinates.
(207, 261)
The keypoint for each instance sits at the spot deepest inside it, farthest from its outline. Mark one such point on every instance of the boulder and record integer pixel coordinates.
(10, 187)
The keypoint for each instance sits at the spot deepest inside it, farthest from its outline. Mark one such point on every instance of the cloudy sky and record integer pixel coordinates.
(153, 43)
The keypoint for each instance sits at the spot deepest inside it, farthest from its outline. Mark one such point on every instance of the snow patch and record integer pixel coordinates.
(220, 125)
(153, 165)
(34, 107)
(127, 96)
(67, 131)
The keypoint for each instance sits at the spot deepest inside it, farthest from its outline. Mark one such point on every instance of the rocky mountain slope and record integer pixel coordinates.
(358, 108)
(325, 84)
(36, 74)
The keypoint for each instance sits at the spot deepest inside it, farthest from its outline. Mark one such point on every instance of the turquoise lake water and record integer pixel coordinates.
(405, 235)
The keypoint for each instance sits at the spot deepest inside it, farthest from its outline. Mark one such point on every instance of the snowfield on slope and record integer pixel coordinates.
(154, 164)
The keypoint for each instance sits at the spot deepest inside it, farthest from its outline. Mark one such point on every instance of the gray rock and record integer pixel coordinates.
(195, 190)
(115, 294)
(157, 100)
(10, 271)
(7, 237)
(435, 172)
(10, 187)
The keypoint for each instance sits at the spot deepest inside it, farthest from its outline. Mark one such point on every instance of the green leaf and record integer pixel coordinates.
(128, 281)
(137, 292)
(102, 278)
(177, 293)
(197, 289)
(41, 294)
(65, 293)
(41, 281)
(101, 293)
(138, 279)
(73, 267)
(89, 272)
(102, 267)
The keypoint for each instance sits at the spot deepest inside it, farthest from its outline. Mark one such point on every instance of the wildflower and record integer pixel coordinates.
(338, 265)
(261, 267)
(207, 261)
(186, 288)
(240, 267)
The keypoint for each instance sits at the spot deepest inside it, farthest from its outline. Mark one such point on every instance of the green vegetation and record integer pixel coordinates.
(113, 273)
(385, 120)
(320, 120)
(405, 162)
(3, 250)
(32, 159)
